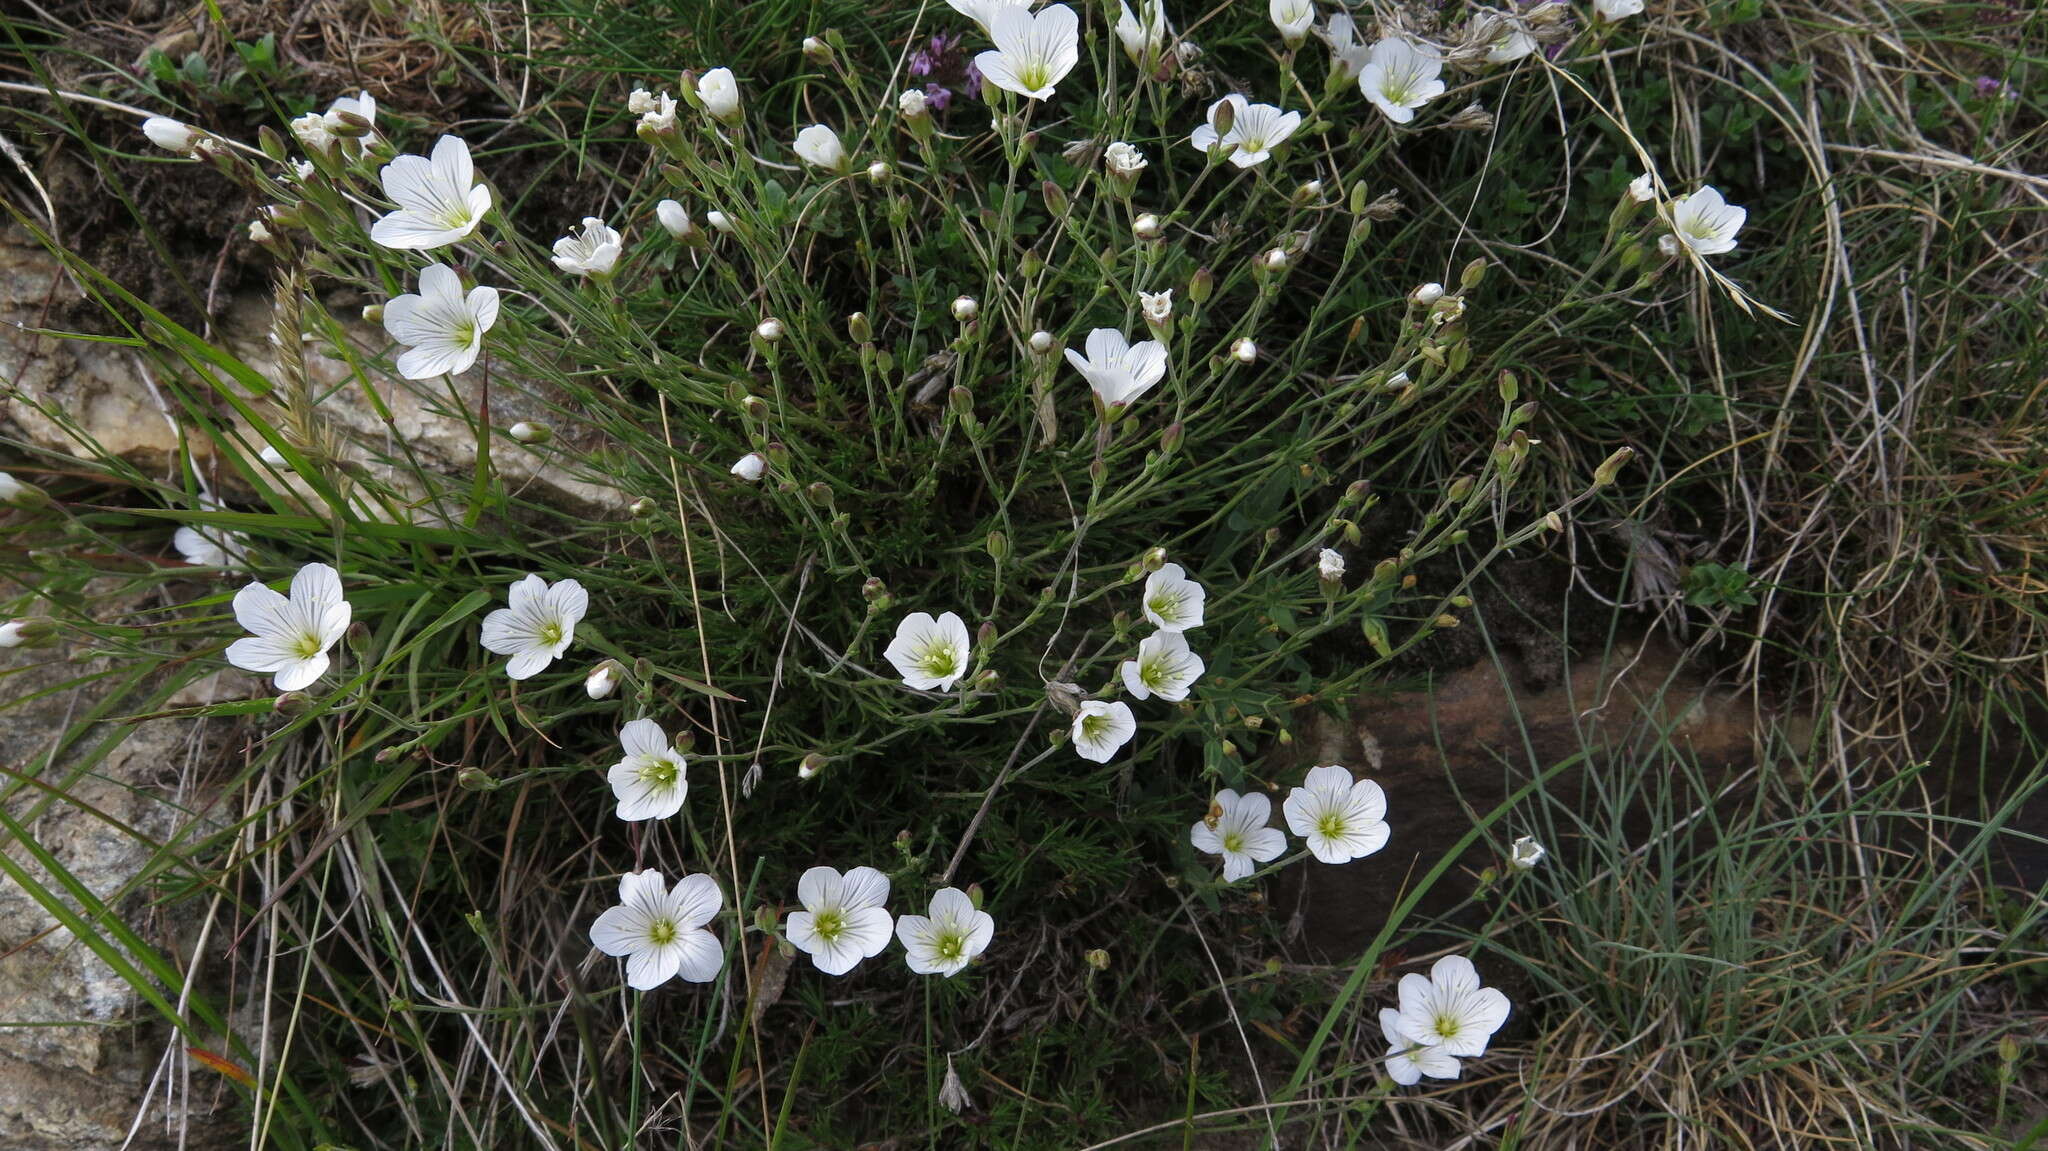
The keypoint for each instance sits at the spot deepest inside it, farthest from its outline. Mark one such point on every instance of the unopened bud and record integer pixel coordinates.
(1274, 260)
(857, 326)
(1041, 342)
(1098, 959)
(1611, 466)
(1201, 285)
(873, 589)
(1460, 488)
(475, 779)
(1554, 522)
(998, 545)
(1243, 350)
(1427, 294)
(810, 765)
(1473, 275)
(879, 172)
(1153, 559)
(1170, 439)
(816, 50)
(965, 308)
(770, 330)
(1309, 193)
(1447, 620)
(1146, 227)
(530, 432)
(1055, 197)
(604, 679)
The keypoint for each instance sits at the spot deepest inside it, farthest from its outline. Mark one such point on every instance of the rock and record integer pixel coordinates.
(1455, 751)
(98, 400)
(77, 1051)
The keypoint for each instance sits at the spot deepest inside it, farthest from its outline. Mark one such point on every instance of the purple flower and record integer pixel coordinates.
(937, 97)
(920, 64)
(973, 82)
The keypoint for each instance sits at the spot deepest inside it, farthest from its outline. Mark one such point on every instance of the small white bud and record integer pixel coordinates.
(718, 220)
(879, 172)
(602, 681)
(527, 432)
(1041, 342)
(259, 232)
(965, 308)
(170, 135)
(1642, 189)
(1146, 227)
(1428, 294)
(1275, 260)
(751, 467)
(1244, 351)
(770, 330)
(273, 457)
(816, 49)
(674, 220)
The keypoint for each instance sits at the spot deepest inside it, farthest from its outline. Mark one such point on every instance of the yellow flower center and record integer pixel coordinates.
(951, 945)
(829, 924)
(306, 646)
(1233, 842)
(660, 772)
(1447, 1026)
(662, 932)
(936, 659)
(550, 634)
(1330, 826)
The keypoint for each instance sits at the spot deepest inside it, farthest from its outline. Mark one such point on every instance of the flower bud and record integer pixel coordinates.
(1041, 343)
(1611, 466)
(1098, 959)
(1153, 559)
(1201, 285)
(1309, 193)
(1554, 522)
(965, 308)
(1473, 275)
(292, 704)
(1170, 439)
(1356, 492)
(475, 779)
(998, 545)
(1427, 294)
(604, 679)
(1147, 227)
(810, 765)
(1446, 620)
(1055, 198)
(719, 220)
(817, 51)
(675, 221)
(857, 326)
(913, 104)
(1274, 260)
(373, 313)
(18, 494)
(1244, 351)
(879, 172)
(1460, 489)
(530, 432)
(819, 493)
(170, 135)
(961, 400)
(770, 330)
(751, 467)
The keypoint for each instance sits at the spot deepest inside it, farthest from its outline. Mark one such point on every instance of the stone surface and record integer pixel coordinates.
(77, 1051)
(91, 399)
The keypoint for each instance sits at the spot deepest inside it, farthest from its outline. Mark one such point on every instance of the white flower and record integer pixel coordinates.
(720, 94)
(641, 102)
(1330, 564)
(1643, 188)
(1032, 53)
(341, 114)
(660, 931)
(602, 681)
(1618, 9)
(11, 633)
(942, 943)
(1402, 76)
(1122, 159)
(304, 170)
(539, 625)
(210, 547)
(289, 637)
(1157, 306)
(592, 252)
(674, 220)
(1348, 53)
(1235, 829)
(1705, 222)
(1117, 369)
(442, 329)
(313, 133)
(1173, 602)
(1525, 854)
(1341, 819)
(1143, 38)
(10, 488)
(718, 220)
(170, 135)
(1165, 667)
(1513, 43)
(1449, 1009)
(984, 12)
(1407, 1060)
(930, 654)
(843, 921)
(1292, 18)
(439, 200)
(259, 232)
(658, 114)
(1255, 129)
(913, 104)
(651, 781)
(751, 467)
(1102, 728)
(819, 146)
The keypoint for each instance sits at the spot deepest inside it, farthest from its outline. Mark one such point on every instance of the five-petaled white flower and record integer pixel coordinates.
(984, 12)
(1235, 829)
(1407, 1060)
(1340, 818)
(1330, 564)
(652, 780)
(439, 200)
(441, 328)
(720, 95)
(539, 625)
(1173, 602)
(1449, 1009)
(1118, 370)
(1100, 729)
(1165, 667)
(819, 146)
(1123, 159)
(661, 931)
(945, 941)
(1618, 9)
(1292, 18)
(1525, 853)
(931, 654)
(1143, 38)
(1032, 52)
(843, 921)
(171, 135)
(1255, 130)
(1401, 76)
(1348, 53)
(1705, 222)
(592, 252)
(289, 637)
